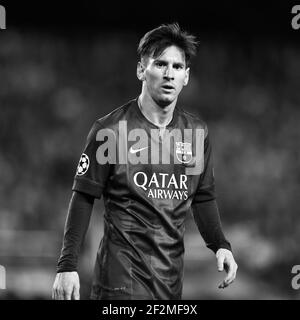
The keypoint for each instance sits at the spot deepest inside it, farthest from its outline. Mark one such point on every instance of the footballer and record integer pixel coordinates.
(151, 161)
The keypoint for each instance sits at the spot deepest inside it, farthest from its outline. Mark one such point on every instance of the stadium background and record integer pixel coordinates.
(63, 66)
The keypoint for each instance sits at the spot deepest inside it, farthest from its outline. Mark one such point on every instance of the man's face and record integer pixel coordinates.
(164, 76)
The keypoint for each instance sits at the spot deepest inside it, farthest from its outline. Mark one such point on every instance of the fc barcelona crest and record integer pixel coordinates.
(184, 152)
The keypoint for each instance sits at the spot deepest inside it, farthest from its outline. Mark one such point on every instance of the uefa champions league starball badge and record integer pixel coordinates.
(83, 165)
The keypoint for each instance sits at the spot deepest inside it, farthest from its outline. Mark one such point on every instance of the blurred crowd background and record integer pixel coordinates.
(55, 81)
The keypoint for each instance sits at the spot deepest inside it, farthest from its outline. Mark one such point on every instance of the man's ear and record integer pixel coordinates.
(187, 76)
(140, 71)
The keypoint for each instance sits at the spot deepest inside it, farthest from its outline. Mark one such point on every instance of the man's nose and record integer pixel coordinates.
(169, 73)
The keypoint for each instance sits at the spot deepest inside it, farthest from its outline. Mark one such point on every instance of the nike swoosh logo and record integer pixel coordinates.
(131, 150)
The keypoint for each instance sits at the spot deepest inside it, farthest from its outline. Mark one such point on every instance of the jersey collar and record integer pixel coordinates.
(171, 124)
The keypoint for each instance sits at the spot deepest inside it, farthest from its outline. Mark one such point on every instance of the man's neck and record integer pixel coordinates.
(159, 116)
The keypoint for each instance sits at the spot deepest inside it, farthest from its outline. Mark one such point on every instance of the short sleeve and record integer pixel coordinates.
(206, 188)
(91, 177)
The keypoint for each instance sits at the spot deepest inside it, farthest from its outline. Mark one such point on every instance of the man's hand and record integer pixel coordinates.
(66, 286)
(226, 261)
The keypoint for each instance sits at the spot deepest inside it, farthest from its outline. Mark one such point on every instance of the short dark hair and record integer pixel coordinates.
(157, 40)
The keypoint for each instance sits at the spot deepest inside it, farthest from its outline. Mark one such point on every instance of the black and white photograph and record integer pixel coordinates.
(149, 151)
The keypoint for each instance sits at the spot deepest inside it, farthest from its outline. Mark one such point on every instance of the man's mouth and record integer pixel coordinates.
(168, 87)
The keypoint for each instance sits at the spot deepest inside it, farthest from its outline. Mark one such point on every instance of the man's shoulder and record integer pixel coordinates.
(118, 114)
(192, 118)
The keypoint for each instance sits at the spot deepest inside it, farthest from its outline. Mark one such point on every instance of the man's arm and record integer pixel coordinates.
(207, 218)
(66, 284)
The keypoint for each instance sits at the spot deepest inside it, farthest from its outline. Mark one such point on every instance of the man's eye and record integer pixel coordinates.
(160, 64)
(178, 67)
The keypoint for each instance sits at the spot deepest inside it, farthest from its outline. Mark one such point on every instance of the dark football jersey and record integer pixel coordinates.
(148, 178)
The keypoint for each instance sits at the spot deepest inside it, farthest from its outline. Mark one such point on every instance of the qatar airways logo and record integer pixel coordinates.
(162, 185)
(151, 147)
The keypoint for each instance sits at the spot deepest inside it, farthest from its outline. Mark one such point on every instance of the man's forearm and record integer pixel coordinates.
(79, 214)
(207, 218)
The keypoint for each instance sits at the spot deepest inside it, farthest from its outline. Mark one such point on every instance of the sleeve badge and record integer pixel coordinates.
(83, 165)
